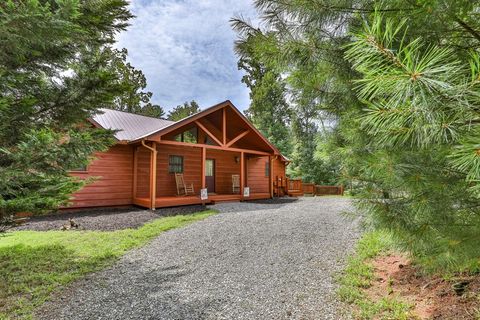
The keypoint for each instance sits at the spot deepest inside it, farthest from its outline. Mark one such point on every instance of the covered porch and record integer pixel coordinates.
(201, 167)
(217, 151)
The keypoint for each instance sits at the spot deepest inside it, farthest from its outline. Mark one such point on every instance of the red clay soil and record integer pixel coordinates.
(432, 296)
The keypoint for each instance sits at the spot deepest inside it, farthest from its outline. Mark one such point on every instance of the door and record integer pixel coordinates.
(210, 175)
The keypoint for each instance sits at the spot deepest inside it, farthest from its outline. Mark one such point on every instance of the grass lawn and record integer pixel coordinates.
(33, 264)
(359, 275)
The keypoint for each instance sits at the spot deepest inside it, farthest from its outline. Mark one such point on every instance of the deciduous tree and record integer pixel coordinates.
(184, 110)
(268, 109)
(134, 98)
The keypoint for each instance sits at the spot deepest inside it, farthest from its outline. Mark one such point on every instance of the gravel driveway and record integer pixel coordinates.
(252, 261)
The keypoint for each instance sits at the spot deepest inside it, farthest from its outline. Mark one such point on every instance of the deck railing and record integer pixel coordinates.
(296, 187)
(328, 190)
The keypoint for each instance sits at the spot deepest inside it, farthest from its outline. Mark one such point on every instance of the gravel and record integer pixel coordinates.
(252, 261)
(103, 219)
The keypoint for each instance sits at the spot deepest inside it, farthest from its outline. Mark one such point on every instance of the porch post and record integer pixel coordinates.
(204, 158)
(153, 176)
(224, 126)
(242, 173)
(270, 159)
(135, 166)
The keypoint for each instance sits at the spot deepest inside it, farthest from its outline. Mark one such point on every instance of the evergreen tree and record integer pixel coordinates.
(54, 74)
(421, 104)
(399, 80)
(134, 99)
(184, 110)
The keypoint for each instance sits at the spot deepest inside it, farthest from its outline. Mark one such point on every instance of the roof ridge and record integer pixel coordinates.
(136, 114)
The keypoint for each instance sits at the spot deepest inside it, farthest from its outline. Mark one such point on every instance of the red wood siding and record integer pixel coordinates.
(279, 174)
(114, 169)
(279, 168)
(143, 172)
(191, 168)
(225, 167)
(166, 181)
(256, 179)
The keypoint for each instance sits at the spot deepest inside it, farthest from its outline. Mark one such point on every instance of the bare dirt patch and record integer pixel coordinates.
(432, 296)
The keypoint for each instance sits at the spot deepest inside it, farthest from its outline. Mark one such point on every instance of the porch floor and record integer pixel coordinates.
(172, 201)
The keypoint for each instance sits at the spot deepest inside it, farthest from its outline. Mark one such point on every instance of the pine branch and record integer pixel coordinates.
(468, 28)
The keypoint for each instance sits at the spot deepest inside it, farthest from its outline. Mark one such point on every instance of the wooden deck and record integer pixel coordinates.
(173, 201)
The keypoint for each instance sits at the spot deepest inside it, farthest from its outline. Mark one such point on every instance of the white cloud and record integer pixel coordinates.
(185, 49)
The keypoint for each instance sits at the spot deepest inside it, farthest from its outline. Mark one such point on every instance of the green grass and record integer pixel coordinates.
(358, 276)
(33, 264)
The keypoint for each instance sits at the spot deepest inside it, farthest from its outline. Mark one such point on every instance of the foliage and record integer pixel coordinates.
(268, 111)
(36, 264)
(182, 111)
(359, 274)
(398, 82)
(420, 103)
(133, 82)
(293, 126)
(54, 74)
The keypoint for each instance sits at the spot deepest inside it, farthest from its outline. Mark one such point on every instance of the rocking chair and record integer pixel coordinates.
(182, 188)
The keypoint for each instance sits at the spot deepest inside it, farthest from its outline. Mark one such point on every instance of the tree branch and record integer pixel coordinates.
(465, 26)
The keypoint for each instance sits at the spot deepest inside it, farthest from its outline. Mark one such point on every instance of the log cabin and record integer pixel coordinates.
(210, 150)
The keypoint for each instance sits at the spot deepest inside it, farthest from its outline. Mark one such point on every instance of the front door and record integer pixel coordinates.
(210, 175)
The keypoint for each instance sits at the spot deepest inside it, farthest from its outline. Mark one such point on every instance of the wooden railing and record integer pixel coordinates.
(295, 185)
(328, 190)
(308, 188)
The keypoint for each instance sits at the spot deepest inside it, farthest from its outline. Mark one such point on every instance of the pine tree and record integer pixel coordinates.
(54, 74)
(399, 81)
(421, 104)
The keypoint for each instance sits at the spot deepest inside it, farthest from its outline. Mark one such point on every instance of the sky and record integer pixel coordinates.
(185, 50)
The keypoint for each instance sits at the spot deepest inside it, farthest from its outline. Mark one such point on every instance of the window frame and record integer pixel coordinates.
(170, 164)
(83, 169)
(267, 169)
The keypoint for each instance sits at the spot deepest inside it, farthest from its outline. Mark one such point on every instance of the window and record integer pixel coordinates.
(267, 169)
(189, 136)
(209, 168)
(80, 169)
(175, 164)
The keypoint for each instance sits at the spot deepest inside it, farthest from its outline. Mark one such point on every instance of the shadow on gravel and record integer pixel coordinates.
(104, 219)
(154, 290)
(255, 205)
(169, 303)
(276, 201)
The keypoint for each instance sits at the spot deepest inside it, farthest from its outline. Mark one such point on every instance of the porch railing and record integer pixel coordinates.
(294, 186)
(297, 187)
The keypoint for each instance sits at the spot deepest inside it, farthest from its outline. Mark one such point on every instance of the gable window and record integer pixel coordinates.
(267, 169)
(189, 136)
(175, 164)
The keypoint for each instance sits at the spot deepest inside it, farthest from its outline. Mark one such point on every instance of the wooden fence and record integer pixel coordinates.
(308, 188)
(328, 190)
(295, 187)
